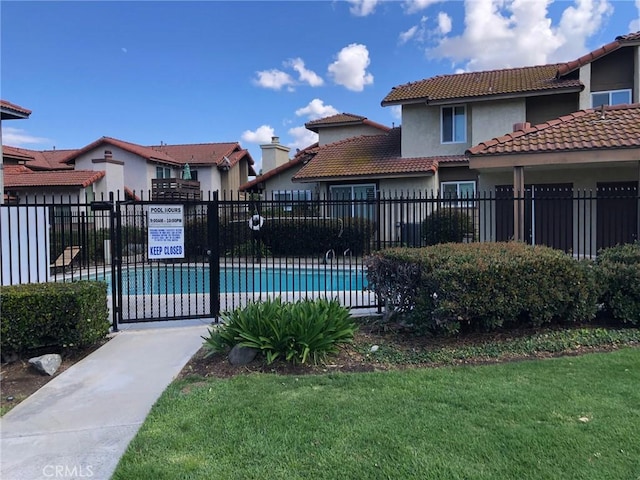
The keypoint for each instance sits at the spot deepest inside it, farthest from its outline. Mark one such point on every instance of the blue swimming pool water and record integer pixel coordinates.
(176, 280)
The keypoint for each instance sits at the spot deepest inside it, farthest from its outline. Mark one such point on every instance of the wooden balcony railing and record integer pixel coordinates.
(175, 189)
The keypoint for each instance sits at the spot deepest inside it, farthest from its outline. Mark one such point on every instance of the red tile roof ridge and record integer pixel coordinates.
(629, 37)
(568, 67)
(337, 118)
(13, 106)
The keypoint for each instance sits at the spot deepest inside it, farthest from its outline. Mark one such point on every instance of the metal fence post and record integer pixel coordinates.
(213, 232)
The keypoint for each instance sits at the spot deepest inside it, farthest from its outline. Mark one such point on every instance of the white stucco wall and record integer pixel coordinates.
(137, 172)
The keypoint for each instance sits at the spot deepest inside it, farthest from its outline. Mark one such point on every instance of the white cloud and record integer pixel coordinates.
(302, 138)
(413, 6)
(408, 35)
(510, 33)
(396, 112)
(19, 138)
(306, 76)
(634, 25)
(444, 23)
(362, 8)
(274, 79)
(316, 109)
(350, 68)
(261, 135)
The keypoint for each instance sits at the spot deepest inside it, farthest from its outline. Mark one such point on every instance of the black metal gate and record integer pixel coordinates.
(168, 270)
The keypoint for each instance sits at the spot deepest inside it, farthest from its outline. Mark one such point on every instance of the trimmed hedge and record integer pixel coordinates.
(483, 286)
(446, 225)
(64, 315)
(618, 270)
(285, 236)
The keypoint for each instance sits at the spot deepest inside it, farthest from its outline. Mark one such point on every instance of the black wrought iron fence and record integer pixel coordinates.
(238, 248)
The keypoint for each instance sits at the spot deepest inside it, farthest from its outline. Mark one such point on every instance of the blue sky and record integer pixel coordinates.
(198, 72)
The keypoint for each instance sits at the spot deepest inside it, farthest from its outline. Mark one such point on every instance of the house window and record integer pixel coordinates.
(163, 172)
(353, 200)
(454, 124)
(291, 196)
(612, 97)
(458, 191)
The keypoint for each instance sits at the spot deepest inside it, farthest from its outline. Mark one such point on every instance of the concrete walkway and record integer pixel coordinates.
(80, 423)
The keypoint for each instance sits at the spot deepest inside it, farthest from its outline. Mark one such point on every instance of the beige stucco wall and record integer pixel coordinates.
(335, 134)
(421, 136)
(585, 95)
(494, 119)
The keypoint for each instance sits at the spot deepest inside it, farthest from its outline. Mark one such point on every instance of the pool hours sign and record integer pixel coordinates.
(166, 231)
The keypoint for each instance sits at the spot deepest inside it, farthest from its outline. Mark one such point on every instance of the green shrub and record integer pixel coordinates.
(290, 236)
(446, 225)
(295, 332)
(64, 315)
(619, 273)
(483, 286)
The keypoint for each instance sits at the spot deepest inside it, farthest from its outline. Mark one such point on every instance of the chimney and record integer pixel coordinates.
(521, 126)
(274, 154)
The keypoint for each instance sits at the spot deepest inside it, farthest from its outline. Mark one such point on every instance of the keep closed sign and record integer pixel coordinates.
(166, 231)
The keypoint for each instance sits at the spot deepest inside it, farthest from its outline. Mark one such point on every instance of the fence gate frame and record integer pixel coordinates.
(120, 212)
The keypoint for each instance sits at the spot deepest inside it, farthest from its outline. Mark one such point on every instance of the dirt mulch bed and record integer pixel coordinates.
(19, 379)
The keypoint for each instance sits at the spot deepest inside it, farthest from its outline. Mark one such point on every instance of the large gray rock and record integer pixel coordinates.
(48, 363)
(242, 355)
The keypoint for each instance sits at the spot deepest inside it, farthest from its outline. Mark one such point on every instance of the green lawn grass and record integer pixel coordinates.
(562, 418)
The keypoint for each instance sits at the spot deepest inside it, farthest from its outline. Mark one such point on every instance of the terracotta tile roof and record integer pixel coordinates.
(42, 160)
(461, 86)
(615, 127)
(177, 155)
(202, 153)
(301, 157)
(145, 152)
(25, 177)
(11, 110)
(343, 119)
(16, 153)
(130, 194)
(364, 156)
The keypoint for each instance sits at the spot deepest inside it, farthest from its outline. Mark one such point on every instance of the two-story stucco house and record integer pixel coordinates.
(126, 169)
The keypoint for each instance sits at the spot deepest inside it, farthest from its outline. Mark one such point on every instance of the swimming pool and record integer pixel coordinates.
(179, 279)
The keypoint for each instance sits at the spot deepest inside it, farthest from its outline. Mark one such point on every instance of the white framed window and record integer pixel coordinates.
(163, 172)
(611, 97)
(453, 122)
(291, 196)
(460, 191)
(353, 200)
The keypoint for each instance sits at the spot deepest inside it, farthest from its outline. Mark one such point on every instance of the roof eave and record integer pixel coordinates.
(367, 176)
(489, 97)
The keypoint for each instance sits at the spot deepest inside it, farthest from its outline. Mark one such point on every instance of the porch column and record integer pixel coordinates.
(518, 204)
